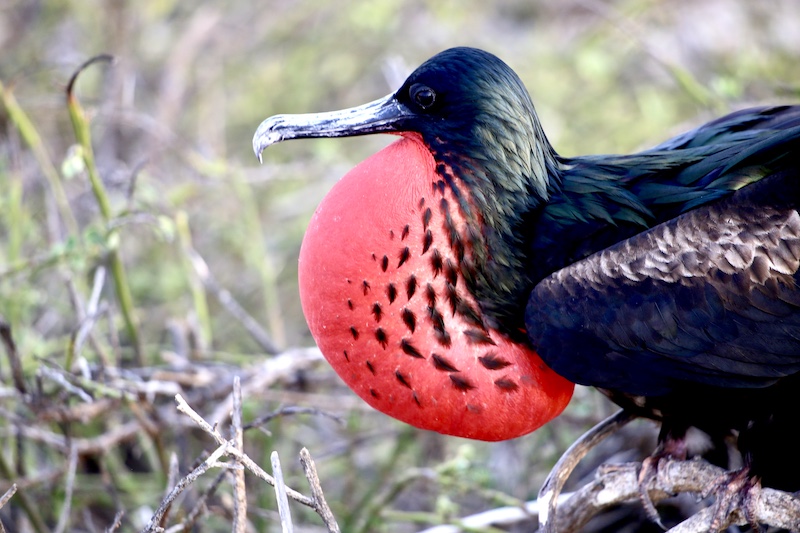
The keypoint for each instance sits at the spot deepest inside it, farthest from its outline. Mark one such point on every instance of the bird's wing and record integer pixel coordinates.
(607, 198)
(742, 125)
(708, 297)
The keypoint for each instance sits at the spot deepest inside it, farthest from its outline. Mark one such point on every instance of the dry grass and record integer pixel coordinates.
(144, 253)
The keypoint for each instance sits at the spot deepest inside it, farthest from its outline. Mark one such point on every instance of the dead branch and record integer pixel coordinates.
(230, 304)
(227, 448)
(616, 484)
(115, 525)
(280, 494)
(237, 436)
(84, 446)
(270, 371)
(551, 488)
(155, 523)
(230, 448)
(8, 495)
(69, 486)
(320, 505)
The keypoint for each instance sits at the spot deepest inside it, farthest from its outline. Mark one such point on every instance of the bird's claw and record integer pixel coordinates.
(647, 475)
(734, 490)
(670, 448)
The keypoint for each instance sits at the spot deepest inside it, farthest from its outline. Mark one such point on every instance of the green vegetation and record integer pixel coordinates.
(131, 202)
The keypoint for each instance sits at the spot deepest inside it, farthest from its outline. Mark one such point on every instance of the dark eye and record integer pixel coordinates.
(423, 95)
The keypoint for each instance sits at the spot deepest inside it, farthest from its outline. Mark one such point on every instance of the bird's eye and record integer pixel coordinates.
(423, 95)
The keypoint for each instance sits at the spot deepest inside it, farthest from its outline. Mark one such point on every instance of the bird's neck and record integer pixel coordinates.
(522, 222)
(496, 195)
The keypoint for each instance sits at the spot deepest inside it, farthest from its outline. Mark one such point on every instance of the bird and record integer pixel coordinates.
(467, 276)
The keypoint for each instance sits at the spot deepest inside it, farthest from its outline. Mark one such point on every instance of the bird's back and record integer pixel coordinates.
(605, 199)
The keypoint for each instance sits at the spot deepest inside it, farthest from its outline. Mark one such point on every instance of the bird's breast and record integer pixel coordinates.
(382, 287)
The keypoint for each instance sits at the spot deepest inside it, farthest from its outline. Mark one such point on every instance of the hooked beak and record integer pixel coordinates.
(380, 116)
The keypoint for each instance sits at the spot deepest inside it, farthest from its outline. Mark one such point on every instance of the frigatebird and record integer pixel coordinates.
(466, 276)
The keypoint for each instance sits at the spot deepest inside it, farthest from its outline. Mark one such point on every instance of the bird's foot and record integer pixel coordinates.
(670, 448)
(736, 490)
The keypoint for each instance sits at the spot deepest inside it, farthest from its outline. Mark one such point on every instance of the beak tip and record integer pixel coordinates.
(257, 149)
(265, 136)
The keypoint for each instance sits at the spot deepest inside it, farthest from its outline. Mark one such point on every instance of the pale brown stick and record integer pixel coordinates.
(548, 494)
(239, 488)
(280, 493)
(320, 504)
(241, 457)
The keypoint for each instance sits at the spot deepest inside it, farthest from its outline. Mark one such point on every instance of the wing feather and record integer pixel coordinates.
(709, 297)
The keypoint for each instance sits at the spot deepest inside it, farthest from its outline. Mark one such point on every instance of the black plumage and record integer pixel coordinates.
(696, 321)
(667, 278)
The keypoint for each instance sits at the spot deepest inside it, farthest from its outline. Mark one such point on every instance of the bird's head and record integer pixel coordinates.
(412, 273)
(465, 103)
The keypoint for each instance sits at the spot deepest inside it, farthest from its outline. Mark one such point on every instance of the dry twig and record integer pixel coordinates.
(551, 488)
(156, 520)
(69, 485)
(612, 488)
(280, 494)
(4, 499)
(616, 484)
(239, 489)
(270, 371)
(8, 495)
(115, 525)
(320, 505)
(229, 447)
(230, 304)
(200, 506)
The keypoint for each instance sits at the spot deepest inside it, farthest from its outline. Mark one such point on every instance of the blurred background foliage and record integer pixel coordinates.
(171, 120)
